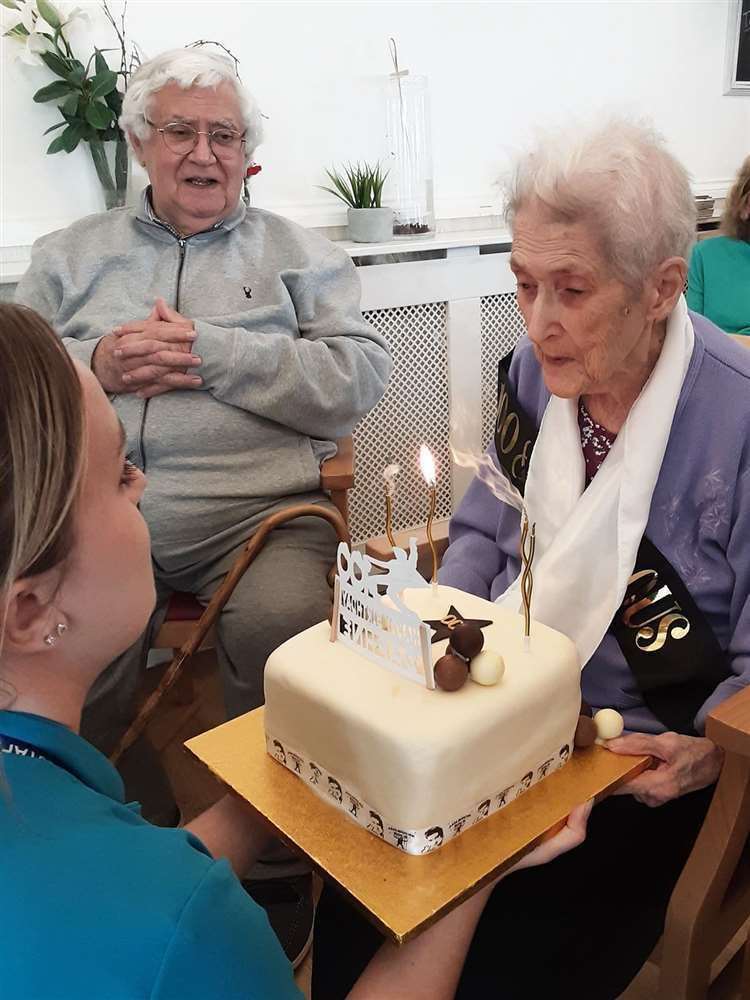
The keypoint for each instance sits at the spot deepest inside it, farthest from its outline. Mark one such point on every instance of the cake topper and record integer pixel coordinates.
(371, 618)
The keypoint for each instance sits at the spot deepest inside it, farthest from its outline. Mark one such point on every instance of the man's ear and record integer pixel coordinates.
(137, 146)
(667, 284)
(31, 616)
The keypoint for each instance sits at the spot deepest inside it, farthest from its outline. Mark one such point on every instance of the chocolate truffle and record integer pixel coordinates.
(450, 672)
(609, 724)
(487, 667)
(466, 640)
(585, 732)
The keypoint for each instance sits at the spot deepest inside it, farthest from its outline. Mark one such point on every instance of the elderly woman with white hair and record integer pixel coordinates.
(232, 345)
(632, 453)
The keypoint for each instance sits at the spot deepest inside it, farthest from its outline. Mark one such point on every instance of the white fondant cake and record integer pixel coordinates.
(417, 766)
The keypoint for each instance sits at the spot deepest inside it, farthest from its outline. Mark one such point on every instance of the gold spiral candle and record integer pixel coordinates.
(389, 476)
(429, 472)
(528, 544)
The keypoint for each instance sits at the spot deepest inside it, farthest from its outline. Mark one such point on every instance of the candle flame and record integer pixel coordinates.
(427, 465)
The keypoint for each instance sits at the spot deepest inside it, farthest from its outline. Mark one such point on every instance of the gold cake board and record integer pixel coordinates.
(401, 894)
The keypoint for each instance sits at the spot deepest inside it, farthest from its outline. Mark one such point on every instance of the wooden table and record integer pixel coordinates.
(399, 893)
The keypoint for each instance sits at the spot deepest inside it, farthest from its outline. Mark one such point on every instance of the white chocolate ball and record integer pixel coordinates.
(487, 667)
(609, 724)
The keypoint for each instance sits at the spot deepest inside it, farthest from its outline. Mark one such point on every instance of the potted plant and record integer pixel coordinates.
(360, 187)
(88, 97)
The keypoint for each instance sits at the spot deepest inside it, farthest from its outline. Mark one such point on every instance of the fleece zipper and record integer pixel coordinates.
(181, 243)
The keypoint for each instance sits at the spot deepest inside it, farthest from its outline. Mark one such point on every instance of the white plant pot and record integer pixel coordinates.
(370, 225)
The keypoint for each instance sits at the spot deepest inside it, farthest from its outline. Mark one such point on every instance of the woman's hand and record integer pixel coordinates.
(429, 966)
(682, 764)
(571, 835)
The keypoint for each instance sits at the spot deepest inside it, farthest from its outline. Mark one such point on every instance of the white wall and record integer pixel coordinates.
(495, 69)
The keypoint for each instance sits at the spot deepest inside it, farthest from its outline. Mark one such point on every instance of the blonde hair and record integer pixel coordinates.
(618, 176)
(41, 449)
(731, 223)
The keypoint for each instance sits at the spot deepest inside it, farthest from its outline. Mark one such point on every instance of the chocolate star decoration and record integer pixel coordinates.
(443, 627)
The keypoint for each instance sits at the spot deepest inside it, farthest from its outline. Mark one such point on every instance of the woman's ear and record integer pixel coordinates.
(33, 624)
(668, 283)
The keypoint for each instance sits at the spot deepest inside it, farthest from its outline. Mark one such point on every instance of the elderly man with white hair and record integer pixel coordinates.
(624, 420)
(233, 348)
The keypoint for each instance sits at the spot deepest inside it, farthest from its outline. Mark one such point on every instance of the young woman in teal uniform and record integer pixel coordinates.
(719, 275)
(97, 902)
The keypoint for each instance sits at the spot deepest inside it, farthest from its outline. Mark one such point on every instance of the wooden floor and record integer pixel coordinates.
(195, 705)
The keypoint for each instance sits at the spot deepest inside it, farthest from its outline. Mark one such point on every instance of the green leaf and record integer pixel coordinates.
(49, 13)
(18, 32)
(72, 136)
(100, 62)
(60, 88)
(56, 63)
(57, 145)
(114, 101)
(103, 83)
(77, 72)
(98, 115)
(70, 105)
(53, 127)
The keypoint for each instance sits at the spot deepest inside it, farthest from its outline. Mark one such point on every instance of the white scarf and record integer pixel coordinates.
(587, 539)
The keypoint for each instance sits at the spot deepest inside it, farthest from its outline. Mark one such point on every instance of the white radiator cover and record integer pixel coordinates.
(448, 322)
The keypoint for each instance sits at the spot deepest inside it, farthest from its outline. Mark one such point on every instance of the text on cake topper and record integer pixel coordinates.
(370, 617)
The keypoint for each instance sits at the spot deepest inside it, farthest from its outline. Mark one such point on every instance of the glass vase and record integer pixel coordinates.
(409, 155)
(114, 182)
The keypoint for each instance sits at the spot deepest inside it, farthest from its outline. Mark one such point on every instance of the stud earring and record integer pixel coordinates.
(60, 629)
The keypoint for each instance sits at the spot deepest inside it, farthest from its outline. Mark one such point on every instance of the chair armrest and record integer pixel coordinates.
(728, 725)
(337, 473)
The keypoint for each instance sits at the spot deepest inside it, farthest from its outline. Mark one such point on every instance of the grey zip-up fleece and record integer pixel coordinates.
(289, 364)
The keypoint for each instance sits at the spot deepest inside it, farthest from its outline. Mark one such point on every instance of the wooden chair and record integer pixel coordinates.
(711, 901)
(189, 626)
(184, 611)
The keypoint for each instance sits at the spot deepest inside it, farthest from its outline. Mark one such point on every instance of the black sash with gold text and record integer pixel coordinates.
(668, 644)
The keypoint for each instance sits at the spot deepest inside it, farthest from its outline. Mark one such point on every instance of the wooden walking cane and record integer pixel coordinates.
(217, 602)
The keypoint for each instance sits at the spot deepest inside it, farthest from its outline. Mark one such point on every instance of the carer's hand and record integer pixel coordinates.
(571, 835)
(682, 764)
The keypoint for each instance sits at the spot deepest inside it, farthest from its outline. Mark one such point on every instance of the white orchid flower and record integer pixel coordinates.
(32, 43)
(76, 14)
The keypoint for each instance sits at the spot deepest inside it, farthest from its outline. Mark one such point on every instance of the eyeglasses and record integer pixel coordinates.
(181, 139)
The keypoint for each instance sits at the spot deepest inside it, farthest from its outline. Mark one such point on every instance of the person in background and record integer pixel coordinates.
(719, 275)
(232, 346)
(97, 901)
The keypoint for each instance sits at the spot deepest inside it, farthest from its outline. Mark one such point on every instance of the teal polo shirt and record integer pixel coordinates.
(96, 902)
(719, 283)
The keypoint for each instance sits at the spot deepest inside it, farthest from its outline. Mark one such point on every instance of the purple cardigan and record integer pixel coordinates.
(699, 518)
